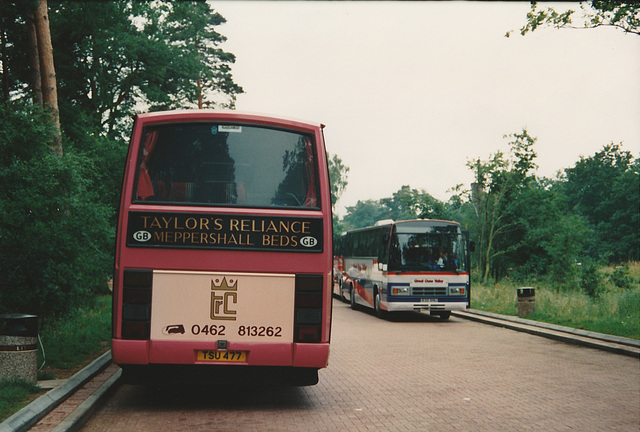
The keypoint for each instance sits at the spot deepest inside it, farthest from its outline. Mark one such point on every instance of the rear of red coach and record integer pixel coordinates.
(223, 256)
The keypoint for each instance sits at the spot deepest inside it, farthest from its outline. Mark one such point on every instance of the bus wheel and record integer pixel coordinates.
(443, 315)
(303, 377)
(376, 305)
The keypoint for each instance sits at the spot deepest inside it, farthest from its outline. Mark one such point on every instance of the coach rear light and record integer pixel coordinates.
(308, 311)
(309, 316)
(136, 304)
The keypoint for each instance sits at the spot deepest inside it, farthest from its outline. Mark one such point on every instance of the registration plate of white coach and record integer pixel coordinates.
(428, 300)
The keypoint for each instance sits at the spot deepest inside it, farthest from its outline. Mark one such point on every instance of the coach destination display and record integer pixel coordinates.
(218, 231)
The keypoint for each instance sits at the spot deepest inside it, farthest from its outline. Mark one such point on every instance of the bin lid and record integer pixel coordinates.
(526, 292)
(17, 324)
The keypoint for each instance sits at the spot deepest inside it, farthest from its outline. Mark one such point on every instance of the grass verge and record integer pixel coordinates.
(70, 343)
(15, 394)
(615, 310)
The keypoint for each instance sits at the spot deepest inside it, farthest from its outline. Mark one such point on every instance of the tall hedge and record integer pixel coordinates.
(55, 237)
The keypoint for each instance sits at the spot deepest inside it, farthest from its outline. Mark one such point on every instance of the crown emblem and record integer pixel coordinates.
(232, 285)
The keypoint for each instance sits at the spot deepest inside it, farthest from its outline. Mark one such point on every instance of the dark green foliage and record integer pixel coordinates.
(528, 227)
(365, 213)
(405, 204)
(410, 203)
(545, 239)
(503, 184)
(605, 189)
(621, 277)
(112, 55)
(104, 159)
(55, 240)
(590, 280)
(57, 215)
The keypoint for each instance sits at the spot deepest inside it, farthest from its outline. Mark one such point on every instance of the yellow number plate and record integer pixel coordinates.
(222, 356)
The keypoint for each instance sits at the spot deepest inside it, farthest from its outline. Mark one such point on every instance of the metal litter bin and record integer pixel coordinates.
(526, 301)
(19, 347)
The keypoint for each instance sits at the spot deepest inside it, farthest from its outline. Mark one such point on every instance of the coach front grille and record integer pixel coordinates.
(429, 291)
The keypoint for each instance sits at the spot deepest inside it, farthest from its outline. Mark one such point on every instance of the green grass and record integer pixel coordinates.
(69, 342)
(15, 394)
(615, 311)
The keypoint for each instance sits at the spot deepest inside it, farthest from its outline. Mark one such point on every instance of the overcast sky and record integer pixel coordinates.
(411, 91)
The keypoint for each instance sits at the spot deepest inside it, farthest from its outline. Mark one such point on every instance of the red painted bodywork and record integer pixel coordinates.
(142, 352)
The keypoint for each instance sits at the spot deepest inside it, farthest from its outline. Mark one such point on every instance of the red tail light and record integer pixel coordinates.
(308, 308)
(136, 304)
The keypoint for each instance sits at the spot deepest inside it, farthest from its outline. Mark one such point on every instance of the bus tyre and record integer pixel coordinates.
(376, 305)
(133, 374)
(443, 315)
(304, 377)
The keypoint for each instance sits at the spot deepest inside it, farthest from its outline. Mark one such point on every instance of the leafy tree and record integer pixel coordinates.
(498, 182)
(338, 175)
(545, 239)
(55, 241)
(405, 204)
(191, 25)
(365, 213)
(114, 56)
(525, 226)
(604, 189)
(48, 84)
(410, 203)
(16, 22)
(625, 16)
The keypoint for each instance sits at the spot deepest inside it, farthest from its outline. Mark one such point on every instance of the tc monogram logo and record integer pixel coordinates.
(222, 295)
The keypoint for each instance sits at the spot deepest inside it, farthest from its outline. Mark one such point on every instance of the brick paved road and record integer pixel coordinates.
(412, 374)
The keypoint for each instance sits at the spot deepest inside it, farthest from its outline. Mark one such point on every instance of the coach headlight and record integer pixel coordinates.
(400, 291)
(456, 291)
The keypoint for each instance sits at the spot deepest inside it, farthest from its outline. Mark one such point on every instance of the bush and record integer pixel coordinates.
(55, 238)
(621, 277)
(591, 280)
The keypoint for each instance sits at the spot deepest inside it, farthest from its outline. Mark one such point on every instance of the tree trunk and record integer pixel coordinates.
(199, 85)
(487, 253)
(34, 62)
(47, 71)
